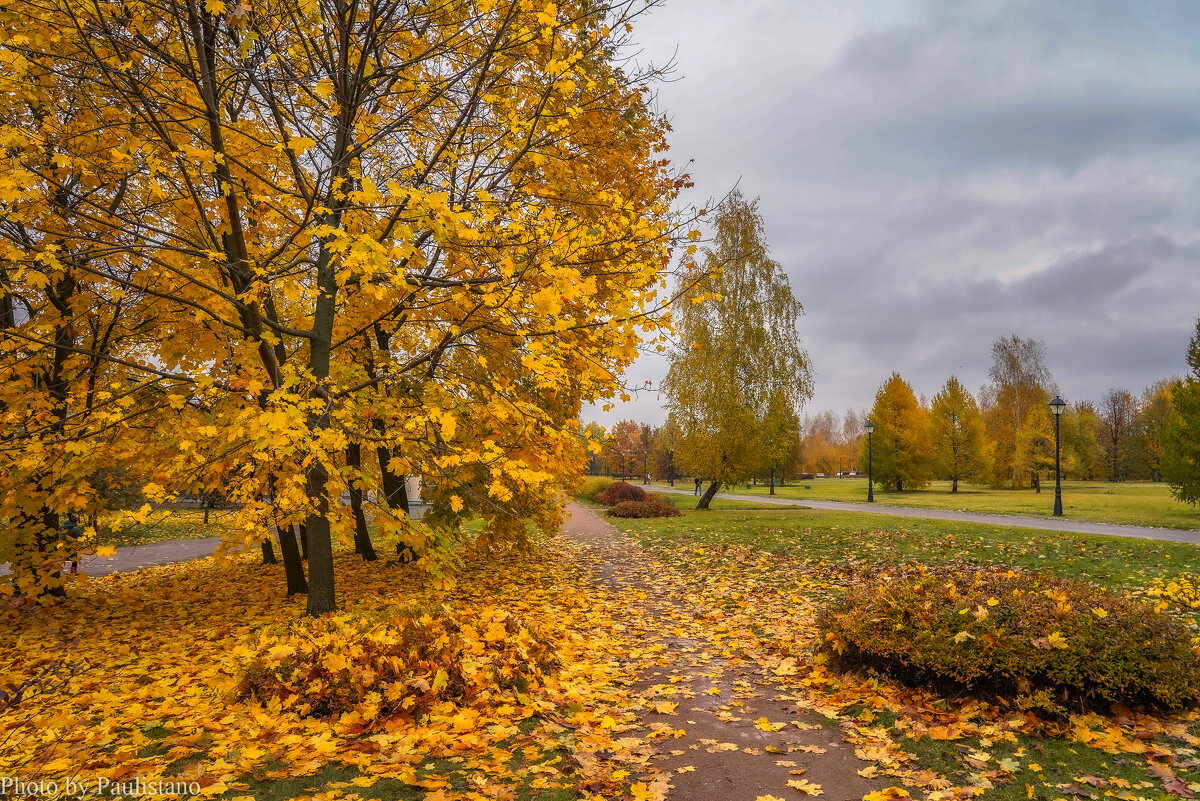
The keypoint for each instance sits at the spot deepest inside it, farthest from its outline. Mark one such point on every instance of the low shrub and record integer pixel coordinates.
(618, 492)
(652, 506)
(1018, 635)
(395, 666)
(592, 486)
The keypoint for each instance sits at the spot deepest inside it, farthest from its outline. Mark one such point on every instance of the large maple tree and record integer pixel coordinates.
(432, 230)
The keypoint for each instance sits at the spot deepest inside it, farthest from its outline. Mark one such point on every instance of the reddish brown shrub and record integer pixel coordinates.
(619, 491)
(651, 507)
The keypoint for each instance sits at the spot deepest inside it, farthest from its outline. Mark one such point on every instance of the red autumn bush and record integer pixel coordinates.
(1020, 635)
(618, 492)
(653, 506)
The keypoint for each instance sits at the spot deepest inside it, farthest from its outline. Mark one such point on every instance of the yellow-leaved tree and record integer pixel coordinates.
(423, 232)
(739, 375)
(957, 433)
(901, 453)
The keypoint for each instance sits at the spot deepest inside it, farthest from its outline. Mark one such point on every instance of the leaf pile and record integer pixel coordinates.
(377, 666)
(145, 671)
(1015, 634)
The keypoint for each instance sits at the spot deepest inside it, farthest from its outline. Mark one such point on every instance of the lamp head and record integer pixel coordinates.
(1057, 406)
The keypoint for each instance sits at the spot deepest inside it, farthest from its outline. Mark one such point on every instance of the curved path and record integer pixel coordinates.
(1017, 521)
(136, 557)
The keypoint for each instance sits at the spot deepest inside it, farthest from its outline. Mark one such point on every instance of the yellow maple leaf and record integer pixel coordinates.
(762, 724)
(886, 794)
(106, 551)
(1058, 640)
(805, 786)
(641, 792)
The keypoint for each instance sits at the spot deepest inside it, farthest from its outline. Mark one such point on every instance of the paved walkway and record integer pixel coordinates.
(700, 692)
(136, 557)
(1017, 521)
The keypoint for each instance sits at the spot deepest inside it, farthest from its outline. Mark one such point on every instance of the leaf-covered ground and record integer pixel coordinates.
(135, 680)
(764, 574)
(688, 660)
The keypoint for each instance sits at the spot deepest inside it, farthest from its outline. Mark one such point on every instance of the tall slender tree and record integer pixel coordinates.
(1117, 410)
(1017, 381)
(739, 375)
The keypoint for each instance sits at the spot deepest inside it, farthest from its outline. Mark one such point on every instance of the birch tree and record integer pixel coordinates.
(739, 375)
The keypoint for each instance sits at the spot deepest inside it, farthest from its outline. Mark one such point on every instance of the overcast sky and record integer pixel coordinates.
(935, 175)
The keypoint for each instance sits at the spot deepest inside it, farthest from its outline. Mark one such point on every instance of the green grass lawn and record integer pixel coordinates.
(852, 541)
(1138, 503)
(170, 524)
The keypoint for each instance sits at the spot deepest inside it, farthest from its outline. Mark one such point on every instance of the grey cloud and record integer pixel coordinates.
(946, 173)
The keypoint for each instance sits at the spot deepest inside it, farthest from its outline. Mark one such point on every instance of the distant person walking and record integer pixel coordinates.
(696, 491)
(71, 534)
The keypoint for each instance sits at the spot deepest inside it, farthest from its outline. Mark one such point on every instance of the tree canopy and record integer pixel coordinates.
(242, 243)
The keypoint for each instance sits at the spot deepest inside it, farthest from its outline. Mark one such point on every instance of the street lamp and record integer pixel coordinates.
(1056, 408)
(870, 485)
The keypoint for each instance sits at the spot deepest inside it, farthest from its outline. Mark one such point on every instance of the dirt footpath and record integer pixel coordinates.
(725, 731)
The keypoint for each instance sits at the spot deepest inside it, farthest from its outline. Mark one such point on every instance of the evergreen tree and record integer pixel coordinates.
(901, 453)
(957, 433)
(1181, 434)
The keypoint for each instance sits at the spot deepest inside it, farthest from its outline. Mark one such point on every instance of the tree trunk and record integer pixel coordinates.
(899, 485)
(207, 509)
(394, 491)
(268, 551)
(321, 598)
(293, 565)
(708, 495)
(953, 485)
(362, 536)
(304, 542)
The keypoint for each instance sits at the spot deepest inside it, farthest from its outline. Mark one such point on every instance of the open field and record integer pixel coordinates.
(1136, 503)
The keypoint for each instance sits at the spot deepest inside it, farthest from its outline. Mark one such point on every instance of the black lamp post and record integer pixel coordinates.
(671, 468)
(870, 483)
(1057, 406)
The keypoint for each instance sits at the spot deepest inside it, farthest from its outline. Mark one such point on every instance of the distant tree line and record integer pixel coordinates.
(1003, 436)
